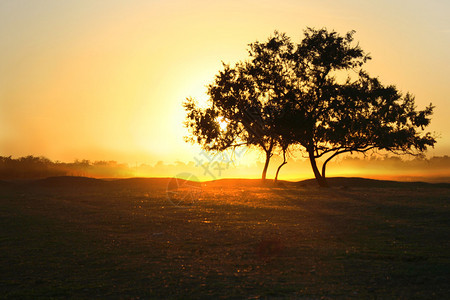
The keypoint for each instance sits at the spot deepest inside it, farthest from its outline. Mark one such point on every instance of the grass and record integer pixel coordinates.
(65, 238)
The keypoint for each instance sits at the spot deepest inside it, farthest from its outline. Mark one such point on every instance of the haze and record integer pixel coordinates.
(104, 80)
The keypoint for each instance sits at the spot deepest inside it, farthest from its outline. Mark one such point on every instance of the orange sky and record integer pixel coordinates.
(104, 80)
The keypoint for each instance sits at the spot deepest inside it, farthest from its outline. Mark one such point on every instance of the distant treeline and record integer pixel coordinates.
(30, 167)
(435, 169)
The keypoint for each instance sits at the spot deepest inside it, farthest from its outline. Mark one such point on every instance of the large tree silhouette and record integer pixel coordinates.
(315, 95)
(341, 109)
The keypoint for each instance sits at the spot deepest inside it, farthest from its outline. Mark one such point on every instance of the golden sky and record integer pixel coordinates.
(104, 80)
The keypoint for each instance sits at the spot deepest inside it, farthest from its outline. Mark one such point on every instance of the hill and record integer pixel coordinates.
(336, 182)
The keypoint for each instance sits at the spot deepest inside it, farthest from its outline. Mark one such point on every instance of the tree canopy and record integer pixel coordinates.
(315, 96)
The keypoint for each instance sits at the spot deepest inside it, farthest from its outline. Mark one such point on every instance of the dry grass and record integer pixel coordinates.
(125, 239)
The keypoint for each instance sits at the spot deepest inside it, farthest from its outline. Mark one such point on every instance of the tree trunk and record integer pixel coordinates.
(279, 167)
(268, 156)
(320, 179)
(266, 165)
(326, 162)
(278, 171)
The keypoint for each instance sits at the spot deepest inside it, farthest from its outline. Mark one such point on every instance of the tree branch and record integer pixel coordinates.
(340, 152)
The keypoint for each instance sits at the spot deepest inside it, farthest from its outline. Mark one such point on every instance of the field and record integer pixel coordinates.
(156, 238)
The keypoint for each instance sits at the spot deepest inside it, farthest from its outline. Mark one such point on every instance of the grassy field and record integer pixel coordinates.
(148, 238)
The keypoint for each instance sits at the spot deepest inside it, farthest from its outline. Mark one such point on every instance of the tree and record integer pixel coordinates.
(356, 114)
(314, 95)
(233, 102)
(245, 98)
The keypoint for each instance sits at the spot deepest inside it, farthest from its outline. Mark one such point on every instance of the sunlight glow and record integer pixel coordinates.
(222, 123)
(105, 80)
